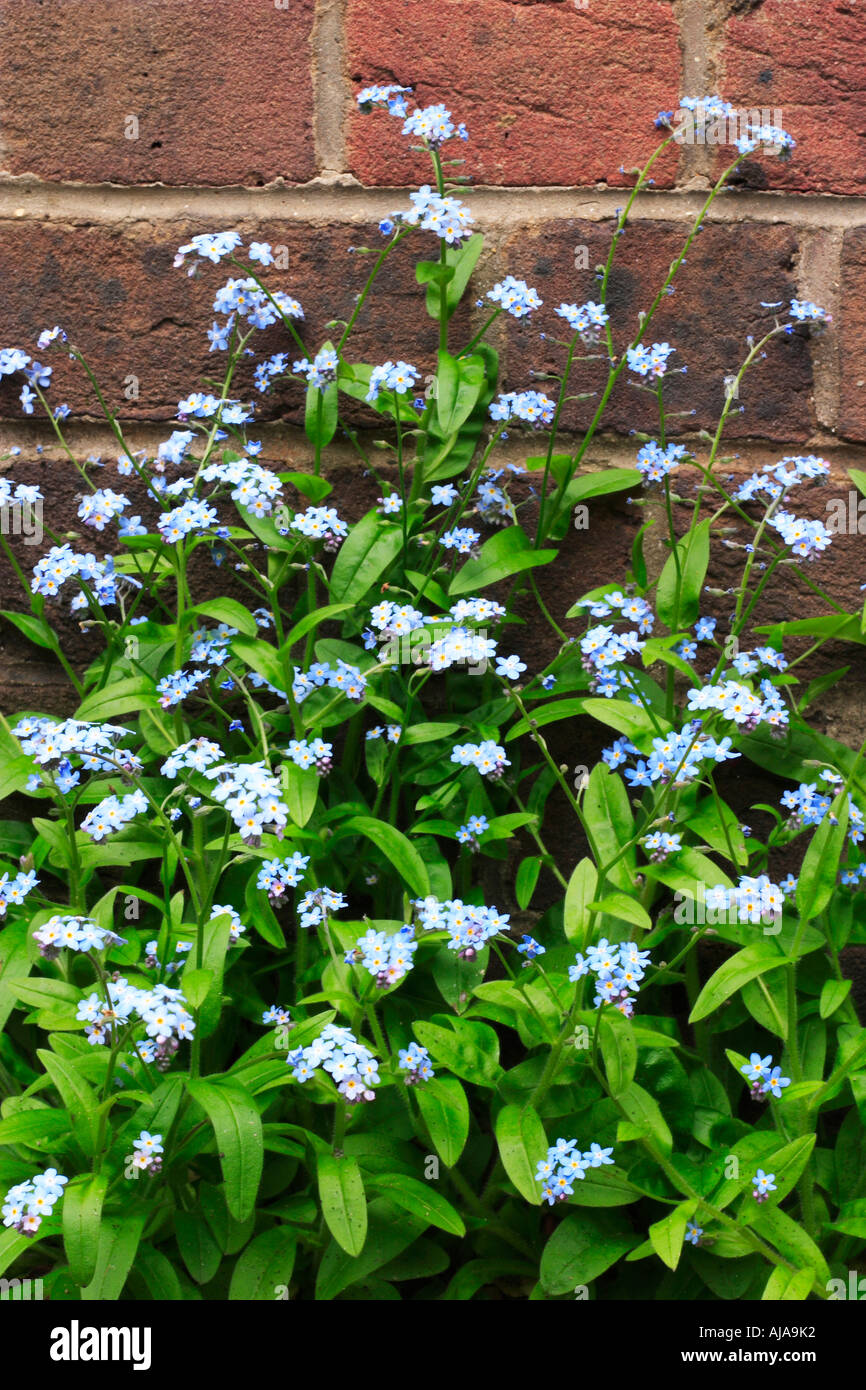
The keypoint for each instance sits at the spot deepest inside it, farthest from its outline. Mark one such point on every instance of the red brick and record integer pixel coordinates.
(730, 269)
(222, 93)
(851, 328)
(552, 93)
(114, 291)
(809, 62)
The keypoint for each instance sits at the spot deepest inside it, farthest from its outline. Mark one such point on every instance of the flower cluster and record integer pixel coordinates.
(319, 371)
(74, 934)
(398, 377)
(447, 216)
(809, 806)
(764, 1184)
(806, 538)
(113, 813)
(237, 928)
(251, 795)
(564, 1165)
(147, 1157)
(162, 1010)
(532, 407)
(277, 1014)
(415, 1060)
(741, 705)
(585, 319)
(254, 488)
(13, 891)
(654, 463)
(766, 1079)
(61, 563)
(28, 1202)
(649, 361)
(777, 478)
(387, 957)
(488, 757)
(469, 927)
(752, 900)
(314, 753)
(343, 677)
(676, 758)
(618, 972)
(315, 905)
(515, 297)
(350, 1065)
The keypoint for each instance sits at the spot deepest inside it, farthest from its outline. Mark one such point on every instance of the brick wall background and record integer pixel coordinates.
(127, 125)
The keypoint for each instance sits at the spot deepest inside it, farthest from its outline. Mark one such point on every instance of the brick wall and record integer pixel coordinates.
(129, 124)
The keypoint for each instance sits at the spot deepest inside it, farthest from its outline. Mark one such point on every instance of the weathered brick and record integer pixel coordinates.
(552, 93)
(221, 94)
(809, 62)
(851, 328)
(729, 270)
(114, 291)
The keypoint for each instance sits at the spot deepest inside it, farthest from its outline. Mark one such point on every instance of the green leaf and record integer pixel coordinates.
(35, 1129)
(468, 1049)
(459, 264)
(618, 1049)
(668, 1234)
(833, 996)
(821, 862)
(199, 1251)
(788, 1285)
(115, 1253)
(422, 1200)
(459, 383)
(632, 720)
(629, 909)
(445, 1109)
(746, 965)
(301, 791)
(371, 546)
(344, 1206)
(313, 620)
(77, 1096)
(791, 1240)
(118, 697)
(526, 880)
(320, 414)
(238, 1129)
(578, 895)
(36, 630)
(642, 1111)
(505, 553)
(158, 1275)
(82, 1217)
(265, 1266)
(609, 817)
(682, 579)
(225, 610)
(581, 1248)
(522, 1145)
(394, 845)
(599, 484)
(262, 658)
(390, 1231)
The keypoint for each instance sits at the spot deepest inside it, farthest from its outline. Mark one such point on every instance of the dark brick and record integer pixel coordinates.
(115, 292)
(551, 93)
(809, 62)
(851, 327)
(730, 269)
(222, 94)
